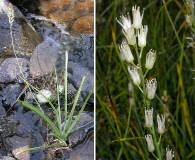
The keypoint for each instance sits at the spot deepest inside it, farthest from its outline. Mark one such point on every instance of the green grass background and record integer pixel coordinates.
(115, 117)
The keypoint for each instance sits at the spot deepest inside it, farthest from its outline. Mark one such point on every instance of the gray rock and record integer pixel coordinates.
(82, 151)
(19, 144)
(11, 93)
(10, 71)
(6, 158)
(44, 58)
(72, 91)
(76, 72)
(24, 35)
(2, 110)
(84, 125)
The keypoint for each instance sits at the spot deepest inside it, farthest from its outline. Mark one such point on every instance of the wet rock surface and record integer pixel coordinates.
(41, 42)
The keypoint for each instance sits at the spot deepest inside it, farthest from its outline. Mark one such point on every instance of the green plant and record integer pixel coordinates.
(64, 126)
(120, 107)
(65, 122)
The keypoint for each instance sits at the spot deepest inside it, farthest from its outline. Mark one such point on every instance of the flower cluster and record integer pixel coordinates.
(136, 37)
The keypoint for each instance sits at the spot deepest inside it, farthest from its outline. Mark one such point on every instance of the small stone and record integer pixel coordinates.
(19, 144)
(11, 93)
(10, 71)
(46, 93)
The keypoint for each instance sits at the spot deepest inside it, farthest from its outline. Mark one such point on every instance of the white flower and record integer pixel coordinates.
(44, 92)
(151, 86)
(150, 143)
(169, 154)
(130, 35)
(149, 117)
(126, 52)
(128, 29)
(142, 33)
(125, 21)
(150, 59)
(134, 75)
(161, 124)
(137, 17)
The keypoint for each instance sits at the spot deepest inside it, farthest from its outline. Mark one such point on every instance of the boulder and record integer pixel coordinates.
(65, 12)
(25, 38)
(10, 70)
(44, 58)
(84, 24)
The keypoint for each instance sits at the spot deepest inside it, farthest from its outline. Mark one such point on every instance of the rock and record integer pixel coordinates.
(2, 110)
(66, 12)
(6, 158)
(10, 71)
(11, 93)
(19, 144)
(30, 126)
(24, 35)
(82, 151)
(61, 17)
(47, 7)
(44, 58)
(80, 131)
(72, 91)
(84, 24)
(76, 72)
(42, 99)
(82, 51)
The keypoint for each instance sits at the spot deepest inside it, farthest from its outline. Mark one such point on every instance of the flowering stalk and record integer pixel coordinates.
(138, 41)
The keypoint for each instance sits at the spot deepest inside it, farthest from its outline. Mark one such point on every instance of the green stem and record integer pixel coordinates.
(141, 73)
(159, 139)
(156, 143)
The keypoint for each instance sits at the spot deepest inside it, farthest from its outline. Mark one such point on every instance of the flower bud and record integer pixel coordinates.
(126, 52)
(150, 59)
(161, 124)
(134, 75)
(137, 17)
(149, 117)
(150, 143)
(151, 86)
(142, 33)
